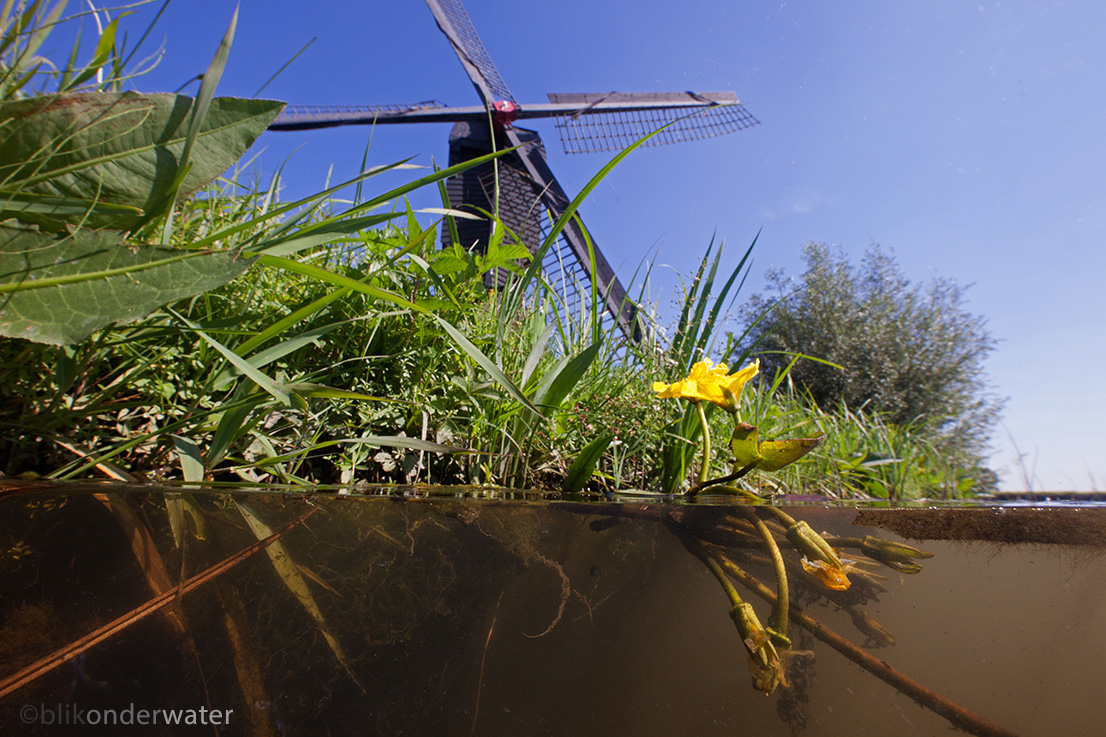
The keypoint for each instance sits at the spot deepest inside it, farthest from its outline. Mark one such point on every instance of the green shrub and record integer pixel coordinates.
(910, 353)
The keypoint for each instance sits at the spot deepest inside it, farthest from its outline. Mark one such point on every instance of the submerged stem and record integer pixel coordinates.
(777, 621)
(925, 697)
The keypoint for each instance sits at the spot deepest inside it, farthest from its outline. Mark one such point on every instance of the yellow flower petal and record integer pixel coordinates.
(831, 576)
(708, 382)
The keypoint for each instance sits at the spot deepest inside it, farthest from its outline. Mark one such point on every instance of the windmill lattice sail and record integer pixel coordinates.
(617, 120)
(529, 196)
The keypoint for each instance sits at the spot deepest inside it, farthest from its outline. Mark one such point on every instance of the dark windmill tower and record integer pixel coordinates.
(529, 196)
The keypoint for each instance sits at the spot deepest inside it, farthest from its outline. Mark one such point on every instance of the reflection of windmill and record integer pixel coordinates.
(529, 195)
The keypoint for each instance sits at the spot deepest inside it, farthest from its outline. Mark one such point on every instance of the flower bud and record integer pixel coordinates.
(894, 555)
(811, 544)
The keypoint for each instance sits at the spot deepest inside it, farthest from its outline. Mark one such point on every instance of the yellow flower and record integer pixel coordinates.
(710, 384)
(833, 577)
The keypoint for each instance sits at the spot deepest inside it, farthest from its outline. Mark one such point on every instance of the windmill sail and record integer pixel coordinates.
(537, 196)
(454, 22)
(614, 121)
(529, 197)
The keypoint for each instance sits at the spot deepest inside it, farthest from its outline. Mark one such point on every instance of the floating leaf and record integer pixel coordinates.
(778, 453)
(743, 443)
(770, 455)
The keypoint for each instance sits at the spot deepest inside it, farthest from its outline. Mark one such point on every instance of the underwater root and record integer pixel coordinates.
(924, 697)
(75, 649)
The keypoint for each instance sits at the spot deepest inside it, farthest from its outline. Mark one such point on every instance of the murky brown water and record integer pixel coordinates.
(441, 616)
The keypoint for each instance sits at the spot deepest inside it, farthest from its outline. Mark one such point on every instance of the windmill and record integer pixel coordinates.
(529, 196)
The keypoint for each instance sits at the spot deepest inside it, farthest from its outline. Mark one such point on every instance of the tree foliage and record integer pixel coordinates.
(911, 352)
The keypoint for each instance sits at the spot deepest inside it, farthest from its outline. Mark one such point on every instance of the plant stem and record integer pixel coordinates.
(725, 479)
(778, 619)
(705, 468)
(956, 714)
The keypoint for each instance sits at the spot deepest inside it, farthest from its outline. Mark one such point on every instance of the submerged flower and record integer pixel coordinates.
(711, 384)
(832, 577)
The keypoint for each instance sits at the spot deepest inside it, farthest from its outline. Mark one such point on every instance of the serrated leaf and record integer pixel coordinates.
(119, 149)
(60, 290)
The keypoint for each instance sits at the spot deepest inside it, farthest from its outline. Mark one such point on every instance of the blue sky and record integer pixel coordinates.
(966, 137)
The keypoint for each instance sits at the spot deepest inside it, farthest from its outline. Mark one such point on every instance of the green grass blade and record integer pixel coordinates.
(566, 379)
(270, 385)
(289, 320)
(338, 280)
(487, 364)
(200, 107)
(191, 460)
(583, 465)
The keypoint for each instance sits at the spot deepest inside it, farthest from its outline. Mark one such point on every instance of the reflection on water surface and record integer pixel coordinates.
(422, 613)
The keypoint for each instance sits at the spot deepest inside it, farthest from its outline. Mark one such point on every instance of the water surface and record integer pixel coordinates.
(410, 611)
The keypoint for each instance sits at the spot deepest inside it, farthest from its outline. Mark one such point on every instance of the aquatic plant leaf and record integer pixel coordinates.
(60, 290)
(118, 149)
(583, 466)
(289, 572)
(743, 443)
(775, 454)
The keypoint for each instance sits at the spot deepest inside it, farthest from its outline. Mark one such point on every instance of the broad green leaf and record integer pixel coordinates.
(119, 149)
(743, 443)
(583, 466)
(779, 453)
(60, 290)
